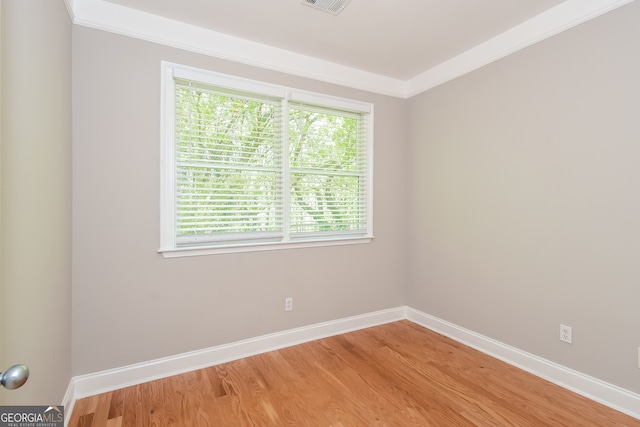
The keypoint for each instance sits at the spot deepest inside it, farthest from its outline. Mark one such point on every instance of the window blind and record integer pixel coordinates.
(228, 165)
(328, 171)
(252, 166)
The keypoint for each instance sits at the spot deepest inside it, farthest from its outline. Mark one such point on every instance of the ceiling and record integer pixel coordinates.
(398, 47)
(394, 38)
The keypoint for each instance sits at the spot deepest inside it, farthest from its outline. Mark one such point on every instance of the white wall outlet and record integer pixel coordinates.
(638, 357)
(288, 304)
(565, 334)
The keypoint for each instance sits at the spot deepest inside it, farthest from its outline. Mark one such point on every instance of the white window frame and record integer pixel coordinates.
(168, 247)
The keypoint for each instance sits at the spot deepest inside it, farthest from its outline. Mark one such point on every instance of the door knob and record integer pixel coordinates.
(14, 377)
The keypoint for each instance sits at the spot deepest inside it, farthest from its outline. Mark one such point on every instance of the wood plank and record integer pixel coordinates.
(116, 407)
(194, 408)
(115, 422)
(101, 413)
(398, 374)
(79, 410)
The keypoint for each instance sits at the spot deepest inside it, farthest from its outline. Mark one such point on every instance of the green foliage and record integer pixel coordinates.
(323, 156)
(229, 174)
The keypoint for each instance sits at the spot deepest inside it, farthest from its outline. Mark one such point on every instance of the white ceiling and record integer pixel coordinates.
(395, 38)
(397, 47)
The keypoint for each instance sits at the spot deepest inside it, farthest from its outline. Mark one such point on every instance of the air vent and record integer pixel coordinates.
(332, 6)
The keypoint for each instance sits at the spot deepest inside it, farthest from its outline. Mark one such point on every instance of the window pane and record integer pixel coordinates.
(321, 203)
(227, 164)
(220, 129)
(223, 200)
(321, 140)
(328, 171)
(251, 166)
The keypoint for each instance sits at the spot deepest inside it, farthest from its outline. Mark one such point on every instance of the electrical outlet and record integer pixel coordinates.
(565, 334)
(638, 357)
(288, 304)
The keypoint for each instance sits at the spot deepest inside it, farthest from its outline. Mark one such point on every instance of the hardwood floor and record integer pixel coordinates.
(398, 374)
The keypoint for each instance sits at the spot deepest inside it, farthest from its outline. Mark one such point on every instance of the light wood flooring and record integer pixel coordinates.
(398, 374)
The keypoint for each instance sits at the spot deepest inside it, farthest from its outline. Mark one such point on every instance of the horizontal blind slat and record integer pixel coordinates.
(328, 171)
(228, 171)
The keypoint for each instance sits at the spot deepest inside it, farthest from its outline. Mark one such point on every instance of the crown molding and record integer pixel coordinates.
(554, 21)
(69, 5)
(107, 16)
(114, 18)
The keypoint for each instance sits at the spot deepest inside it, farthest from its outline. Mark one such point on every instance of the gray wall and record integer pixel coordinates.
(132, 305)
(35, 232)
(521, 205)
(525, 209)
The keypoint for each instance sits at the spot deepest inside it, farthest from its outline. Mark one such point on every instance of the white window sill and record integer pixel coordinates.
(255, 247)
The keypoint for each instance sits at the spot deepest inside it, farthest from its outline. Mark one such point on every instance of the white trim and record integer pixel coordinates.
(227, 81)
(167, 155)
(170, 247)
(556, 20)
(69, 401)
(69, 5)
(118, 19)
(370, 165)
(609, 395)
(324, 100)
(113, 379)
(169, 252)
(592, 388)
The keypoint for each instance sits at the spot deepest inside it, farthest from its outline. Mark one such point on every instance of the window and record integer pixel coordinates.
(252, 166)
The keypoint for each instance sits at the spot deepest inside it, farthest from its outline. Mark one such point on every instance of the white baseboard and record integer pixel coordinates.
(100, 382)
(69, 401)
(113, 379)
(610, 395)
